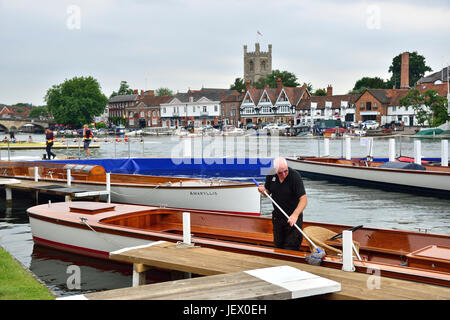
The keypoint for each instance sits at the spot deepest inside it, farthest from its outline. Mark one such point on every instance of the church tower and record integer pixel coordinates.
(257, 64)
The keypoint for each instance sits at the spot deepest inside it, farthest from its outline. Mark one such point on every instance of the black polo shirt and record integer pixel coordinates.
(286, 194)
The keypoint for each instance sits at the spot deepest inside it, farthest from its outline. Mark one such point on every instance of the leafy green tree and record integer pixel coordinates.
(36, 112)
(76, 101)
(319, 92)
(238, 85)
(428, 107)
(164, 91)
(368, 83)
(123, 90)
(288, 79)
(417, 69)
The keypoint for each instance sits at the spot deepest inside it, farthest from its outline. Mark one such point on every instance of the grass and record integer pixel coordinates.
(17, 284)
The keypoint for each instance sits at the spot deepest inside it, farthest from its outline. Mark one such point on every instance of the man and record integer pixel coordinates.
(287, 190)
(49, 138)
(87, 136)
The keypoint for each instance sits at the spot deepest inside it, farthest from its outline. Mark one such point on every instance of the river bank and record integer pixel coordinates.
(18, 283)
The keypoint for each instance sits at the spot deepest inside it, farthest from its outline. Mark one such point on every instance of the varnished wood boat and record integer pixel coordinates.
(425, 178)
(189, 193)
(96, 229)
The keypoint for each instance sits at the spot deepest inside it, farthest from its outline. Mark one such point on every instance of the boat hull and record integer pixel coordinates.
(436, 183)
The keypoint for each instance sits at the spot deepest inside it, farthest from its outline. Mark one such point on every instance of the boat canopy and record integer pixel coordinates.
(402, 165)
(206, 167)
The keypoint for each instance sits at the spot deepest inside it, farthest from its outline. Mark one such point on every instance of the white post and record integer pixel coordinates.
(348, 148)
(444, 153)
(69, 178)
(108, 185)
(347, 251)
(391, 150)
(8, 194)
(417, 152)
(326, 147)
(36, 174)
(187, 227)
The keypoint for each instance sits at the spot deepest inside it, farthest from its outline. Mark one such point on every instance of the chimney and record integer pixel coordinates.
(279, 84)
(404, 76)
(135, 91)
(329, 90)
(247, 85)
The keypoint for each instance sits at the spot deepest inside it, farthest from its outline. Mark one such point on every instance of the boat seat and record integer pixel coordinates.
(256, 237)
(320, 235)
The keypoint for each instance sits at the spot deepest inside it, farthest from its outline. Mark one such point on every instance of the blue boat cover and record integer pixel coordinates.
(191, 167)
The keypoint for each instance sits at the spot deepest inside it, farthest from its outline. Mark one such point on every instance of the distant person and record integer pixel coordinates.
(87, 138)
(63, 139)
(12, 135)
(5, 140)
(30, 139)
(49, 138)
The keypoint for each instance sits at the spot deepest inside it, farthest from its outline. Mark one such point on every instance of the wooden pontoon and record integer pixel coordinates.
(96, 229)
(187, 193)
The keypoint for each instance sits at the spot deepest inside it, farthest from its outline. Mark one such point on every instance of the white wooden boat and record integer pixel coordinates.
(97, 229)
(426, 179)
(221, 195)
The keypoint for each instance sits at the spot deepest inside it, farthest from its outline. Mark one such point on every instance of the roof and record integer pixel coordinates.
(152, 100)
(294, 94)
(124, 98)
(442, 75)
(213, 94)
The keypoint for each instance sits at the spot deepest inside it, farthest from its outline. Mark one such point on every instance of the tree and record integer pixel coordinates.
(417, 69)
(123, 90)
(319, 92)
(288, 79)
(238, 85)
(76, 101)
(428, 106)
(368, 83)
(36, 112)
(164, 91)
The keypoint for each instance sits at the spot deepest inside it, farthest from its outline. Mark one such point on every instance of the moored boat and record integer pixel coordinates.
(402, 176)
(96, 229)
(189, 193)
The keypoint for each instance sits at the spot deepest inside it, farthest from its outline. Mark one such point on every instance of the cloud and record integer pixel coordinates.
(184, 44)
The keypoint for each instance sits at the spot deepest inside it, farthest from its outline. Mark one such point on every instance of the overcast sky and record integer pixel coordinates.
(182, 44)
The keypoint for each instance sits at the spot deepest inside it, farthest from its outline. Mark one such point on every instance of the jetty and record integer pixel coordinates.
(34, 146)
(236, 276)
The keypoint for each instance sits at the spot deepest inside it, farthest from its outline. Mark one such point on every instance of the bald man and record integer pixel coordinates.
(286, 188)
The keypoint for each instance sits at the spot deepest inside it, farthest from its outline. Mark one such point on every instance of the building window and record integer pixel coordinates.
(164, 110)
(233, 112)
(216, 108)
(205, 109)
(362, 105)
(369, 105)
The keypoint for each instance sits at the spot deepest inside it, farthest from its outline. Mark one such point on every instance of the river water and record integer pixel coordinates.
(327, 202)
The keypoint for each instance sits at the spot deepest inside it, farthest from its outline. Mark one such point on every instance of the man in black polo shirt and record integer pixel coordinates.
(287, 190)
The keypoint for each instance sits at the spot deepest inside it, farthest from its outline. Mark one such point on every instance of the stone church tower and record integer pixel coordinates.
(257, 64)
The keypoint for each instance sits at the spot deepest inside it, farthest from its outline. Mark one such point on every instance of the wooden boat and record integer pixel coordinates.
(96, 229)
(425, 178)
(189, 193)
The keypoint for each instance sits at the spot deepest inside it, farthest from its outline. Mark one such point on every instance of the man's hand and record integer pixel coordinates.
(262, 190)
(293, 219)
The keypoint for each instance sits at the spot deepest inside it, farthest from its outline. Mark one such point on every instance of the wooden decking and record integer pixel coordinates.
(48, 188)
(207, 262)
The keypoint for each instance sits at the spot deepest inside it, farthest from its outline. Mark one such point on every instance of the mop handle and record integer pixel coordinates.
(299, 229)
